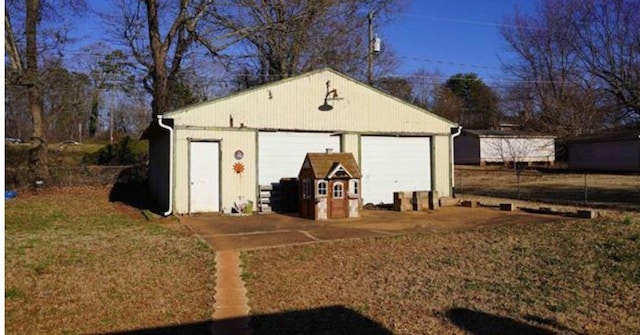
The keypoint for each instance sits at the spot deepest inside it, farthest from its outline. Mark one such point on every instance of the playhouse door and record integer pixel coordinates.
(338, 199)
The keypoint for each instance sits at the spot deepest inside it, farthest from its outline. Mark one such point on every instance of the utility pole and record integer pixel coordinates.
(111, 124)
(370, 53)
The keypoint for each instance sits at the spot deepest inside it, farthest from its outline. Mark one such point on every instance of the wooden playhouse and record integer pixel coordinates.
(329, 186)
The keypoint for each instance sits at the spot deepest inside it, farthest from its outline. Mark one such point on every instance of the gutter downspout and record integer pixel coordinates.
(453, 164)
(162, 125)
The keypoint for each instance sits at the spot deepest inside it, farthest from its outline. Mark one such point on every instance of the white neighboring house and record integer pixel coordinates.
(499, 146)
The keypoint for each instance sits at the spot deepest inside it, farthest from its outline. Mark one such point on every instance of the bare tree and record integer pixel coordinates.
(518, 151)
(578, 64)
(608, 47)
(65, 101)
(282, 37)
(425, 87)
(107, 70)
(23, 67)
(447, 104)
(28, 76)
(303, 35)
(162, 35)
(17, 122)
(399, 87)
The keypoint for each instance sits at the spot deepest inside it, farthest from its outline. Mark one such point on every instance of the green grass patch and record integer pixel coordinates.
(77, 263)
(13, 293)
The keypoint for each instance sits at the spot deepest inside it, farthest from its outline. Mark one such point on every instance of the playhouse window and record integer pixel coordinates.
(306, 188)
(338, 191)
(322, 188)
(354, 187)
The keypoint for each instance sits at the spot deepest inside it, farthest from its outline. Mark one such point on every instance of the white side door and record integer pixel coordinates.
(204, 177)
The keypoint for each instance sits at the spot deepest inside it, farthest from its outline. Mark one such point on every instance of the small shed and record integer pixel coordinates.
(330, 186)
(614, 151)
(502, 146)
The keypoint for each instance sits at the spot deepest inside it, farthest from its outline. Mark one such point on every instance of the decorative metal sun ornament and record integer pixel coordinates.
(238, 167)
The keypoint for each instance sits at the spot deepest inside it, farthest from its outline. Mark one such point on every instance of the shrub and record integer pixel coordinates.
(627, 220)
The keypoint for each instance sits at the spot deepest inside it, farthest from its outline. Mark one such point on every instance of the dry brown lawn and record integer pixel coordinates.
(603, 190)
(77, 263)
(575, 277)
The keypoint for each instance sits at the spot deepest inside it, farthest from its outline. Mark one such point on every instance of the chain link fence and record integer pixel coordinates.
(551, 186)
(85, 175)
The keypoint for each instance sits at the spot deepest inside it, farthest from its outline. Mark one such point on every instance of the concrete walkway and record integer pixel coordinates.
(231, 315)
(228, 235)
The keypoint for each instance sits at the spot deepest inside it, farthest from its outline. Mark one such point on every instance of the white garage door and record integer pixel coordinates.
(204, 177)
(281, 153)
(391, 164)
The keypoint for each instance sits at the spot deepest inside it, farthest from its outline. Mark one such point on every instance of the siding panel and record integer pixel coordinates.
(605, 156)
(442, 167)
(359, 109)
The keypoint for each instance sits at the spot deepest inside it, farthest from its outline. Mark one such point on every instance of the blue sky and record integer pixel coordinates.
(451, 36)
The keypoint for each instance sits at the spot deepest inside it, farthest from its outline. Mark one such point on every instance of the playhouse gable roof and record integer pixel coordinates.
(323, 165)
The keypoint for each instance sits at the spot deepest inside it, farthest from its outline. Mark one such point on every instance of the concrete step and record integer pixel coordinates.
(448, 201)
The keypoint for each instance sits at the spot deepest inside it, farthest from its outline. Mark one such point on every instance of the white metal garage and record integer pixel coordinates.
(262, 134)
(391, 164)
(204, 177)
(280, 154)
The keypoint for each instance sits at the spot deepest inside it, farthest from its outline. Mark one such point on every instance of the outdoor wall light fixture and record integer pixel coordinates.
(325, 107)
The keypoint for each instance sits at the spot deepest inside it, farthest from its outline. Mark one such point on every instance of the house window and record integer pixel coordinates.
(306, 188)
(338, 191)
(354, 187)
(322, 188)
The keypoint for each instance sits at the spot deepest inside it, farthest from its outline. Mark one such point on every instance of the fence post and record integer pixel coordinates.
(585, 189)
(518, 174)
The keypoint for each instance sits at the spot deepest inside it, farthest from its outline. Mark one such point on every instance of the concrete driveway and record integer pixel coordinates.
(224, 232)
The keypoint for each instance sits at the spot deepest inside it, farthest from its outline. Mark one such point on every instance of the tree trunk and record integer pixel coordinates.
(11, 46)
(160, 103)
(38, 170)
(93, 118)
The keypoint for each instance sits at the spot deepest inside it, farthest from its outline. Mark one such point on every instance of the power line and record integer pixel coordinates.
(466, 21)
(436, 61)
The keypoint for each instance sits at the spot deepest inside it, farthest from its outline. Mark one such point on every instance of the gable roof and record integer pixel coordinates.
(274, 84)
(323, 164)
(336, 168)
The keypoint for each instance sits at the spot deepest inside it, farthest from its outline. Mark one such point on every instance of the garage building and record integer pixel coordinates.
(209, 156)
(611, 151)
(502, 146)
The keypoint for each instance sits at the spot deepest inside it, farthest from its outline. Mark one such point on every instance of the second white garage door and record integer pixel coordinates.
(391, 164)
(281, 153)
